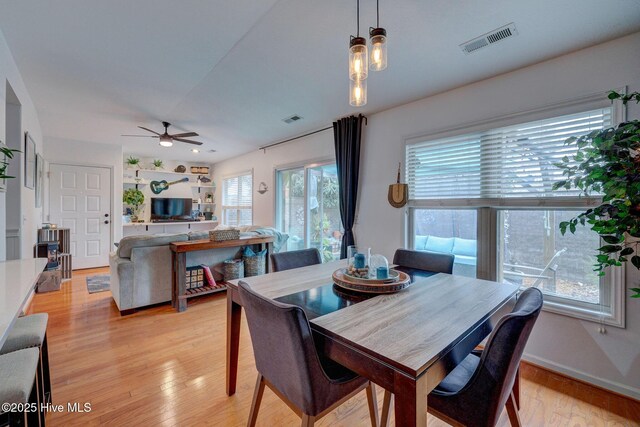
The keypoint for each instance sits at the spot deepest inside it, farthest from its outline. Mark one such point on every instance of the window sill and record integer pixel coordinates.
(552, 305)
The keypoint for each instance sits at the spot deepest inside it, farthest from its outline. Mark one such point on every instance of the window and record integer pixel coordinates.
(308, 209)
(498, 182)
(237, 200)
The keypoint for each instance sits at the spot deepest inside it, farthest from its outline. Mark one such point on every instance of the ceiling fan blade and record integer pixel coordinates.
(142, 136)
(188, 141)
(184, 135)
(149, 130)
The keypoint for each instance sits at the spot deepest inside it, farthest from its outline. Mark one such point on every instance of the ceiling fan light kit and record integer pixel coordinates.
(359, 61)
(166, 141)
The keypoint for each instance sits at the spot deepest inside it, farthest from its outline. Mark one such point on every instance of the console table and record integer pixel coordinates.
(18, 279)
(179, 294)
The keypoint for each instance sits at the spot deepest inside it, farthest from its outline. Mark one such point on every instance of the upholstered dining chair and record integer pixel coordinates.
(421, 260)
(288, 363)
(475, 392)
(295, 259)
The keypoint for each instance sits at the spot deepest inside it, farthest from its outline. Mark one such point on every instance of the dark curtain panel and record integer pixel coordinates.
(347, 134)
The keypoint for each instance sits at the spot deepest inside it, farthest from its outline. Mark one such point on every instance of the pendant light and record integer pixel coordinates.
(358, 92)
(378, 37)
(358, 65)
(358, 56)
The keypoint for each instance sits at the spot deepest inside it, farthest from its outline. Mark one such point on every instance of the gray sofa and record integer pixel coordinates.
(141, 266)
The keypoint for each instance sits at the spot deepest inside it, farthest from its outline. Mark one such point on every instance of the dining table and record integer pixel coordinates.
(405, 342)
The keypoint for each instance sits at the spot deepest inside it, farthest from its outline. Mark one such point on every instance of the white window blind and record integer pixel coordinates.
(513, 161)
(237, 200)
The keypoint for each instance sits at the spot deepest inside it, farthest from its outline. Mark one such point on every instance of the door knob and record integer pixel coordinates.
(106, 215)
(106, 222)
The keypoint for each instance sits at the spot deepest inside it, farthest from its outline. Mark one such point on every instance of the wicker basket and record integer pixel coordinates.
(233, 269)
(220, 235)
(255, 265)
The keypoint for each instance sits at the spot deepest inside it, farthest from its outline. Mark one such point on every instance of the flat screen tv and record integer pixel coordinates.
(165, 209)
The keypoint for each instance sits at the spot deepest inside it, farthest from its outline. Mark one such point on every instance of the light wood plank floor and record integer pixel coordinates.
(159, 367)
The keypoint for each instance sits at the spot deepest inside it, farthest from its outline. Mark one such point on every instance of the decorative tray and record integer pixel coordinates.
(372, 286)
(393, 277)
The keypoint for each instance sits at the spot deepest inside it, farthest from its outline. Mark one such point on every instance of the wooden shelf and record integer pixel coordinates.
(203, 186)
(166, 172)
(134, 183)
(204, 290)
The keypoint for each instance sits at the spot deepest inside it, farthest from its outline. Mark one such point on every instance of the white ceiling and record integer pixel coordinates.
(232, 70)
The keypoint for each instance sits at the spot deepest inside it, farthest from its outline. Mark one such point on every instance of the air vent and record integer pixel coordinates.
(489, 38)
(292, 119)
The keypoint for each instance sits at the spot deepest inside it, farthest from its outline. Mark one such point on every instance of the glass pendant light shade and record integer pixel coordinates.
(378, 37)
(358, 92)
(358, 58)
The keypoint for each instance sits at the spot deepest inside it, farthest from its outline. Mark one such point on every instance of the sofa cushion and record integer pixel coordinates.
(130, 242)
(465, 247)
(420, 242)
(439, 244)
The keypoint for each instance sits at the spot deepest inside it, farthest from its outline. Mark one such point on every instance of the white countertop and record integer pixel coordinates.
(18, 279)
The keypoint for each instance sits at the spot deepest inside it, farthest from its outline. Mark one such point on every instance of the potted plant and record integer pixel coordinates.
(133, 162)
(607, 161)
(158, 164)
(7, 154)
(134, 198)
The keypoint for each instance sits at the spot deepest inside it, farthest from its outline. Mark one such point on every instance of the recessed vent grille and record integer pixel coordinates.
(489, 38)
(292, 119)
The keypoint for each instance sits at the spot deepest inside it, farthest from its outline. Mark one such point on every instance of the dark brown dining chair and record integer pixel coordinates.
(295, 259)
(477, 390)
(289, 364)
(421, 260)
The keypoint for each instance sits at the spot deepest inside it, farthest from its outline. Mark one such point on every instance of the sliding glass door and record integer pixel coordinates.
(307, 208)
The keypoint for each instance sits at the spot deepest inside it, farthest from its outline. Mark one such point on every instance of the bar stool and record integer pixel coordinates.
(19, 385)
(31, 331)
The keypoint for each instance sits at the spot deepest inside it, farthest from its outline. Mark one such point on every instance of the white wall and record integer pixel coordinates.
(92, 154)
(317, 147)
(32, 217)
(561, 343)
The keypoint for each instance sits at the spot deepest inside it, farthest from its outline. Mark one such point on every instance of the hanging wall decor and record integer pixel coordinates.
(398, 193)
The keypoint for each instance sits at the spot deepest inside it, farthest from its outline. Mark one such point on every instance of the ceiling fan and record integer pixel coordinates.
(166, 140)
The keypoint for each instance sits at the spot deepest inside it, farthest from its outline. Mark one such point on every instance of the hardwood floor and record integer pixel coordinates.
(160, 367)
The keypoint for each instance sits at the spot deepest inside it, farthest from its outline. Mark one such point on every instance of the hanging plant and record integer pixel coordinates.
(7, 154)
(607, 161)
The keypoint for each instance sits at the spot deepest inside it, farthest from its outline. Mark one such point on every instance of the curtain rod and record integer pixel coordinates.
(264, 147)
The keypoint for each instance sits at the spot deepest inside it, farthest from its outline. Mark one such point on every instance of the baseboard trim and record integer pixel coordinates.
(573, 374)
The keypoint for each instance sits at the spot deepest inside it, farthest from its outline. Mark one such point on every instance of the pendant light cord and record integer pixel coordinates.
(377, 13)
(358, 18)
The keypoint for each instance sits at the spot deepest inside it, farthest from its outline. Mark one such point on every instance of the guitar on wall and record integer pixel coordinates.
(158, 187)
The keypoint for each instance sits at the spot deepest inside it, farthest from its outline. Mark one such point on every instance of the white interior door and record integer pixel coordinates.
(80, 199)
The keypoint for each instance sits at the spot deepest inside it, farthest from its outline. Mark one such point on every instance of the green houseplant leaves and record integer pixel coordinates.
(607, 162)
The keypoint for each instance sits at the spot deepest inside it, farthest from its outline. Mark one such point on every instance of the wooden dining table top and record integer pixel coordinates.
(410, 329)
